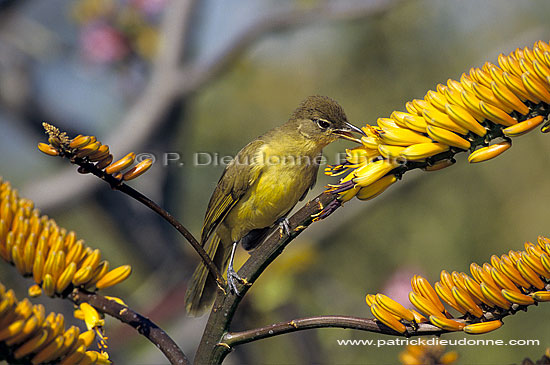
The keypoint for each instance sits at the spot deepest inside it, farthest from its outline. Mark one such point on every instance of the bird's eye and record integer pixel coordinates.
(323, 124)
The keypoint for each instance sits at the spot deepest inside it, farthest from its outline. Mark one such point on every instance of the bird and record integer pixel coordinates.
(260, 186)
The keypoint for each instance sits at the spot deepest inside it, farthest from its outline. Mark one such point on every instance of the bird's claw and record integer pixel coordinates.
(284, 227)
(232, 279)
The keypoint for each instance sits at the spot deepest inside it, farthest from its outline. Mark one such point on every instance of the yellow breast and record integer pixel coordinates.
(283, 180)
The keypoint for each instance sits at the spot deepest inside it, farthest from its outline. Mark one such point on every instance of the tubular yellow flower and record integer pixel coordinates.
(542, 296)
(99, 272)
(402, 137)
(82, 276)
(447, 296)
(370, 143)
(529, 275)
(387, 318)
(399, 118)
(545, 261)
(534, 87)
(65, 278)
(474, 289)
(416, 123)
(460, 116)
(492, 294)
(87, 150)
(80, 141)
(446, 279)
(446, 323)
(389, 151)
(424, 305)
(121, 164)
(482, 327)
(508, 268)
(507, 97)
(387, 123)
(490, 152)
(138, 170)
(503, 281)
(447, 137)
(441, 120)
(101, 153)
(523, 127)
(369, 299)
(393, 307)
(458, 280)
(87, 337)
(421, 151)
(496, 115)
(436, 99)
(47, 149)
(48, 352)
(428, 292)
(464, 300)
(114, 277)
(534, 262)
(48, 285)
(516, 297)
(370, 173)
(37, 247)
(376, 188)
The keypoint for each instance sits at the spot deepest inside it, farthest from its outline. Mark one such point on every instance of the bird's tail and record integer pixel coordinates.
(201, 291)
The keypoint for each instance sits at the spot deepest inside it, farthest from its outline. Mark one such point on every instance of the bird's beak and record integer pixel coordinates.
(347, 132)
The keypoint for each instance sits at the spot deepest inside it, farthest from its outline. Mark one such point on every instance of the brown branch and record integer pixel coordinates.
(232, 339)
(142, 324)
(211, 350)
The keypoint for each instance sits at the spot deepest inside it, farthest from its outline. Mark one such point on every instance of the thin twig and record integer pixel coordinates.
(177, 225)
(120, 186)
(232, 339)
(142, 324)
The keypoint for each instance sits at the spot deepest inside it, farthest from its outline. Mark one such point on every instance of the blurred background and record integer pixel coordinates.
(187, 79)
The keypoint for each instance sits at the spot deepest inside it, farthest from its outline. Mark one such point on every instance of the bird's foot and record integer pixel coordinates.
(232, 279)
(284, 227)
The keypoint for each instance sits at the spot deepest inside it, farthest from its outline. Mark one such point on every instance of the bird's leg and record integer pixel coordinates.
(232, 276)
(284, 226)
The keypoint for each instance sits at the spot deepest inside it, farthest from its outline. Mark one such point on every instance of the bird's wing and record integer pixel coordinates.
(237, 177)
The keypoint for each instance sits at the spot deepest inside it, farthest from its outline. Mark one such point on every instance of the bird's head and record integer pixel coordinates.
(323, 120)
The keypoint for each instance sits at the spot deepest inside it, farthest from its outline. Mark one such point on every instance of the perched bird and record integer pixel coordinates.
(259, 188)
